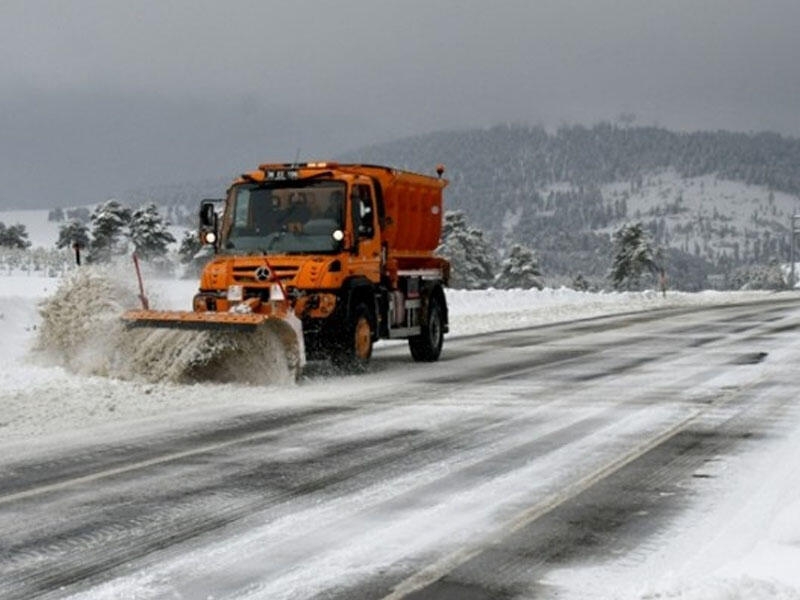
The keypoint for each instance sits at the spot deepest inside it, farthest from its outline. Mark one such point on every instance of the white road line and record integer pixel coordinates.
(448, 563)
(61, 485)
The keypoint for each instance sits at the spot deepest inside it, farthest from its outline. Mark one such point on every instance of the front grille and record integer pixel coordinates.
(245, 274)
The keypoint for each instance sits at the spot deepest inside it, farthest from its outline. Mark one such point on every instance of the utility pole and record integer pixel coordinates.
(795, 234)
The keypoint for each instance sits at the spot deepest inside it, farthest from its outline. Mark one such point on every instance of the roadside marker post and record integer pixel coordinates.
(795, 233)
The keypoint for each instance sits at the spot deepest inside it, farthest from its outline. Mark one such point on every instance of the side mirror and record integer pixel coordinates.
(208, 223)
(208, 215)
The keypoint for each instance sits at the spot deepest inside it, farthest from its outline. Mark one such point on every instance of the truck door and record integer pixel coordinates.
(365, 232)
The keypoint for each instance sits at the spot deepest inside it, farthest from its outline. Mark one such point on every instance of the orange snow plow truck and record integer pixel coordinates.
(333, 256)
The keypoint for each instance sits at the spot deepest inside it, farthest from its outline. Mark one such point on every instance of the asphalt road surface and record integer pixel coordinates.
(471, 478)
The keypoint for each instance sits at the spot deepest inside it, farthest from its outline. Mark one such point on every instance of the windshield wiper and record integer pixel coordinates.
(278, 235)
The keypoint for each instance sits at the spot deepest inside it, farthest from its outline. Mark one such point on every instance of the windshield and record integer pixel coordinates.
(286, 217)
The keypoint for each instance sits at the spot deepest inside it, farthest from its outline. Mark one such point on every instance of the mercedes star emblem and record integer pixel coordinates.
(262, 273)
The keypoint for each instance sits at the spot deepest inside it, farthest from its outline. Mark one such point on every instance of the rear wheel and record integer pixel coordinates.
(355, 349)
(427, 346)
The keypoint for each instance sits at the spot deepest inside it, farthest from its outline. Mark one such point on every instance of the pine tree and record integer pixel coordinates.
(189, 247)
(72, 233)
(81, 214)
(757, 277)
(520, 269)
(148, 233)
(471, 257)
(633, 254)
(14, 236)
(580, 284)
(108, 222)
(193, 255)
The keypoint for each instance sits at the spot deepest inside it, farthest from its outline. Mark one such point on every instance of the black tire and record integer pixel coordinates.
(354, 349)
(427, 346)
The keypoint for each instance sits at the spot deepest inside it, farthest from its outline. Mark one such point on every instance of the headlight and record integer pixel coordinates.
(235, 293)
(210, 237)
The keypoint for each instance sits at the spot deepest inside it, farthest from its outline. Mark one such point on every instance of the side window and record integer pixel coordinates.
(363, 210)
(242, 213)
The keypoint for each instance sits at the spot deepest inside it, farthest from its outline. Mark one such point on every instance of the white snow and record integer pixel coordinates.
(733, 545)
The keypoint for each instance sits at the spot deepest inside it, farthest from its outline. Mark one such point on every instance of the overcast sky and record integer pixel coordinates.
(100, 96)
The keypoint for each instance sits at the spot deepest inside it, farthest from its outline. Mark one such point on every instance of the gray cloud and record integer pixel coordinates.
(97, 97)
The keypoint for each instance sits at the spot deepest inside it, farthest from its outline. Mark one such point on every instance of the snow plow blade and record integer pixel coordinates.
(218, 346)
(196, 320)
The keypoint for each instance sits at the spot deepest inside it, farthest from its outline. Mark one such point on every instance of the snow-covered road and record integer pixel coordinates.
(547, 461)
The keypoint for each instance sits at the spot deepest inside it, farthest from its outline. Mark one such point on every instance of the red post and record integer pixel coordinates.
(142, 297)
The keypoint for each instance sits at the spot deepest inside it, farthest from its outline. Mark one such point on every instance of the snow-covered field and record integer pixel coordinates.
(43, 233)
(40, 403)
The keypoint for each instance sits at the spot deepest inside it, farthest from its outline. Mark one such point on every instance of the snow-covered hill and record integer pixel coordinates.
(708, 216)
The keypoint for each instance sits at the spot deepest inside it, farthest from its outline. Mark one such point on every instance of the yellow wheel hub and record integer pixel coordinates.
(363, 339)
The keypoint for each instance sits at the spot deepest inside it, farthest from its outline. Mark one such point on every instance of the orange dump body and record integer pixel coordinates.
(413, 209)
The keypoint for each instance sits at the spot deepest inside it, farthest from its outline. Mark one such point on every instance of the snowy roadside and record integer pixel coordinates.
(495, 310)
(39, 400)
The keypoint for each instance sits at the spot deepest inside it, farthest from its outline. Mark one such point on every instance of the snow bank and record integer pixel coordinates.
(738, 588)
(480, 311)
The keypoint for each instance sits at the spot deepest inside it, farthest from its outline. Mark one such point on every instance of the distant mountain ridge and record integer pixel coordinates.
(483, 159)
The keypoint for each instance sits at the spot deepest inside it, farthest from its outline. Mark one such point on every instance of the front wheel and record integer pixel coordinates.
(355, 348)
(427, 346)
